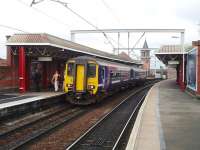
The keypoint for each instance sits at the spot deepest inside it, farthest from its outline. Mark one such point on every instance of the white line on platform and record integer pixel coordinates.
(27, 100)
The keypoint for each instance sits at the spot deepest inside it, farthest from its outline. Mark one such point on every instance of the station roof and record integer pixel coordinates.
(170, 49)
(125, 56)
(169, 53)
(44, 39)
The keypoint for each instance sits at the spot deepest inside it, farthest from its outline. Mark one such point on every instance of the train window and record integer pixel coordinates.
(118, 74)
(132, 73)
(111, 74)
(91, 70)
(102, 73)
(70, 69)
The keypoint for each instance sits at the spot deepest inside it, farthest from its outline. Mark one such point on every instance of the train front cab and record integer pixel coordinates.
(81, 81)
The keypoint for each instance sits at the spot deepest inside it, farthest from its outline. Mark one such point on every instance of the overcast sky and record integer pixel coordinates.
(53, 18)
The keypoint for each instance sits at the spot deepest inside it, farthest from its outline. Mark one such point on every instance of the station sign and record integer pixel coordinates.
(44, 58)
(173, 62)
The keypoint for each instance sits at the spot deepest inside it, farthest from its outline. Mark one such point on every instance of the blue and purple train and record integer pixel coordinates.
(89, 80)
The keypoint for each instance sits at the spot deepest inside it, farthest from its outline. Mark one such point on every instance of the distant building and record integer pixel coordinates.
(145, 57)
(125, 56)
(3, 62)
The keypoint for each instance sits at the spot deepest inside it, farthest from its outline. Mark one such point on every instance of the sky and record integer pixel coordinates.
(53, 18)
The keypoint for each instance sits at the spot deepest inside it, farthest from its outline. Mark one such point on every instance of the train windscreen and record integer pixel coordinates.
(70, 69)
(91, 70)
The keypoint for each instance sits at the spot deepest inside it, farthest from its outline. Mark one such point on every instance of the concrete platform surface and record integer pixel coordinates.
(19, 99)
(28, 102)
(169, 119)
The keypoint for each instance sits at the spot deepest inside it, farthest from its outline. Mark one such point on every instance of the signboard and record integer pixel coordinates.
(44, 58)
(171, 62)
(191, 69)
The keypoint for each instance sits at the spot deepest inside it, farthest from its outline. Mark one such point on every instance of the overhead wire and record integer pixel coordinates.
(43, 13)
(66, 6)
(138, 41)
(84, 19)
(110, 10)
(114, 16)
(13, 28)
(109, 39)
(57, 20)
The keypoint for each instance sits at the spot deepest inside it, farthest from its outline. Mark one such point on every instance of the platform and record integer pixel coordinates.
(16, 103)
(18, 99)
(168, 119)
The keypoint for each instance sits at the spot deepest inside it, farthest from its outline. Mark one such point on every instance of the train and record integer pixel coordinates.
(89, 80)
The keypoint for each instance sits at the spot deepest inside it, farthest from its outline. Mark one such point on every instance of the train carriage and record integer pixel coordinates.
(88, 79)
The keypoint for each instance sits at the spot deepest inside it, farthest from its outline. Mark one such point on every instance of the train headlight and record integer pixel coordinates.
(91, 87)
(69, 85)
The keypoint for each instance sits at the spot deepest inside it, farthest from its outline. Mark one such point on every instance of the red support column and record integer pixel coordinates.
(22, 70)
(181, 82)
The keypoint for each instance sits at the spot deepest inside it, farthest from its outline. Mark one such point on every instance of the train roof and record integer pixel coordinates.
(106, 62)
(139, 69)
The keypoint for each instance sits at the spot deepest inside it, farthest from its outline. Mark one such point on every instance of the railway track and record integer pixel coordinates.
(20, 136)
(108, 133)
(29, 133)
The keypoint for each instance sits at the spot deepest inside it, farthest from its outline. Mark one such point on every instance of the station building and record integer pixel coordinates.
(47, 53)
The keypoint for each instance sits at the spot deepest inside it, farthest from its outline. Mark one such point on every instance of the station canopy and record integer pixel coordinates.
(46, 45)
(170, 54)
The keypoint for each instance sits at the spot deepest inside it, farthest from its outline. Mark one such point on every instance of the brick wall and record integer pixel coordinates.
(7, 80)
(9, 72)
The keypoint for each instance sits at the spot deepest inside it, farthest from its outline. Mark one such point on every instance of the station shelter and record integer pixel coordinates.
(186, 64)
(47, 53)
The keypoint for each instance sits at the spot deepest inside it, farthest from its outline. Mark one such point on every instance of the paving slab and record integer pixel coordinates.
(180, 117)
(168, 120)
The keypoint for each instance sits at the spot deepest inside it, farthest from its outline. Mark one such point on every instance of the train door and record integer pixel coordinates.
(131, 74)
(80, 74)
(103, 77)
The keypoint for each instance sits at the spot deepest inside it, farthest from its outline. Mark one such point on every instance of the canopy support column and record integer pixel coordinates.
(22, 70)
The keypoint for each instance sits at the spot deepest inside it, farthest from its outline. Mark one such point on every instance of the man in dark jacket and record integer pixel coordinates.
(37, 79)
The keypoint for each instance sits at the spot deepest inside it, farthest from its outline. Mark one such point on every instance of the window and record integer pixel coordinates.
(117, 74)
(70, 69)
(91, 70)
(131, 74)
(102, 73)
(143, 54)
(111, 74)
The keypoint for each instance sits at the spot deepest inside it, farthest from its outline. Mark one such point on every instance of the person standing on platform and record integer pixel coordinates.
(55, 80)
(37, 79)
